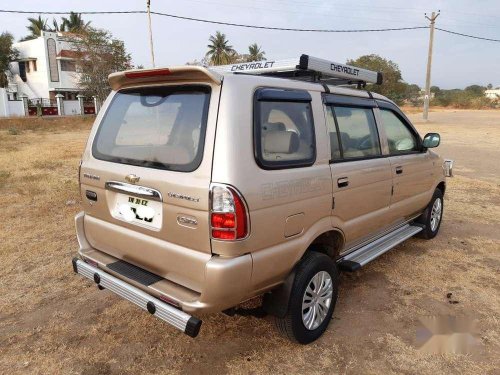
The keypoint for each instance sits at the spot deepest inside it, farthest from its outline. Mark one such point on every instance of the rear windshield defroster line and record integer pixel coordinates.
(155, 127)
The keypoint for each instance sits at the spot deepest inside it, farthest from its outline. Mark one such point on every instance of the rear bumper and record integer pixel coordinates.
(226, 281)
(177, 318)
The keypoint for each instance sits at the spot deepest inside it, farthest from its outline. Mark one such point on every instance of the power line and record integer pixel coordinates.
(252, 26)
(289, 28)
(467, 35)
(225, 23)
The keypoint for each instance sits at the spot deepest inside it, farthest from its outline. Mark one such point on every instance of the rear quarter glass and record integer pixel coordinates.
(155, 127)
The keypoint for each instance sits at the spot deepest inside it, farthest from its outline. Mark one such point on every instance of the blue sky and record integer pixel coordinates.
(457, 62)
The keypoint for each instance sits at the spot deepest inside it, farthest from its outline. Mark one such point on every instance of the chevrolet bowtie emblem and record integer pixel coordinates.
(132, 178)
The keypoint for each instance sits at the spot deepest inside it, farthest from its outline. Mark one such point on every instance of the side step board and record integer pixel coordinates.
(358, 258)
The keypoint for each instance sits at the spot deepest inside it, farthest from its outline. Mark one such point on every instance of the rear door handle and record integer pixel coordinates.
(342, 182)
(399, 170)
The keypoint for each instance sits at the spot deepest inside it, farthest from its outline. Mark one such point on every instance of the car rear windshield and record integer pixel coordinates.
(155, 127)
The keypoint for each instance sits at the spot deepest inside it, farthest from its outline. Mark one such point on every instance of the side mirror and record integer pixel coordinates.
(431, 140)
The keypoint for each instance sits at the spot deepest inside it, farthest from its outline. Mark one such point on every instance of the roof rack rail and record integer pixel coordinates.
(307, 68)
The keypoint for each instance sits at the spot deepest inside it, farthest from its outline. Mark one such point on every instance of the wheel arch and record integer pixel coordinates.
(330, 243)
(441, 186)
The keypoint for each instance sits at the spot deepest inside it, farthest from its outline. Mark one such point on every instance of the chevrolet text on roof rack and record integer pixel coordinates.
(253, 65)
(306, 66)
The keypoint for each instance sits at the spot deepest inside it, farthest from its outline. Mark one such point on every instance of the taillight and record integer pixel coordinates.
(228, 216)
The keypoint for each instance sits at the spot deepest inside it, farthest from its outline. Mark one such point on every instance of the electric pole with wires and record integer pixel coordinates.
(150, 34)
(427, 95)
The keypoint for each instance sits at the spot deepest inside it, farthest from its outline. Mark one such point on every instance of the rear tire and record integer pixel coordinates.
(312, 299)
(432, 216)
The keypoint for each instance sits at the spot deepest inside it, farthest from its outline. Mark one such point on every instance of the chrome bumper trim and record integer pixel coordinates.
(177, 318)
(139, 191)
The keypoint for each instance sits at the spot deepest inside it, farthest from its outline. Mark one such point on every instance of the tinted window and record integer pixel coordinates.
(358, 134)
(284, 133)
(400, 138)
(160, 127)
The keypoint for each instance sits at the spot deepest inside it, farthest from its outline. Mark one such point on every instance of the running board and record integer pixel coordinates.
(358, 258)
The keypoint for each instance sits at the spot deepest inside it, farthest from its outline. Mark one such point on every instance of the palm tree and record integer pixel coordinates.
(35, 27)
(255, 53)
(74, 23)
(220, 52)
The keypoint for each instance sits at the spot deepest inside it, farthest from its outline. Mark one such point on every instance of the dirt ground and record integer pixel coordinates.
(54, 322)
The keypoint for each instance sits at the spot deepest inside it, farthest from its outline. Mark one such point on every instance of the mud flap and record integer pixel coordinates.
(276, 302)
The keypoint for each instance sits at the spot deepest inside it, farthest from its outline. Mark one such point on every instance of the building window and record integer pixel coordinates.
(34, 65)
(22, 70)
(68, 66)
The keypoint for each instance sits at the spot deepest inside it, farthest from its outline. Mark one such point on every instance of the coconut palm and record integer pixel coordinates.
(74, 23)
(35, 27)
(255, 53)
(220, 52)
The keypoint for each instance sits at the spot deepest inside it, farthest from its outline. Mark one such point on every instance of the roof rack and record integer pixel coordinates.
(307, 68)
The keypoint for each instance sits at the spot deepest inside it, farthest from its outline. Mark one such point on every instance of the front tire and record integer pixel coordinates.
(312, 299)
(432, 216)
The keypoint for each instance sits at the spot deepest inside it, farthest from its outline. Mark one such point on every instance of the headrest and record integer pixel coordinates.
(271, 126)
(281, 142)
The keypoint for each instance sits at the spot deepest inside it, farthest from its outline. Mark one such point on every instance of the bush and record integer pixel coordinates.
(13, 131)
(4, 175)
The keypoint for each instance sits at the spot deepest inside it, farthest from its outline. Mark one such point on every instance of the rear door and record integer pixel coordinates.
(145, 177)
(412, 167)
(361, 176)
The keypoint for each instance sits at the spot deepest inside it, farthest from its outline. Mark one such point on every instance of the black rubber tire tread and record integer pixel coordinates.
(291, 325)
(425, 218)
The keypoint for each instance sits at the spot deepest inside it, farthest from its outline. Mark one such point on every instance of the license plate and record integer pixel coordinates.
(138, 211)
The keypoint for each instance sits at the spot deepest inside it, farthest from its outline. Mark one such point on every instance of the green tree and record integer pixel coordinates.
(413, 95)
(435, 89)
(392, 85)
(220, 52)
(98, 55)
(7, 54)
(255, 53)
(35, 27)
(74, 23)
(475, 90)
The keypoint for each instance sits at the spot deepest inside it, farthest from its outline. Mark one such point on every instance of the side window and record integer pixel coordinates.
(284, 134)
(400, 138)
(357, 132)
(332, 132)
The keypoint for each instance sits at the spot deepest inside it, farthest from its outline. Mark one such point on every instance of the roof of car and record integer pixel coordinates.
(186, 73)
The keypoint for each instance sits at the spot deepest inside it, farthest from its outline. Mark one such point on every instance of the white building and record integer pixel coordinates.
(493, 93)
(46, 67)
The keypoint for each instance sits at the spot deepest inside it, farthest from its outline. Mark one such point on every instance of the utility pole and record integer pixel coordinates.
(150, 34)
(427, 95)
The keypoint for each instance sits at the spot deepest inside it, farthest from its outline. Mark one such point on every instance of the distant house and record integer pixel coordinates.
(493, 93)
(422, 95)
(45, 67)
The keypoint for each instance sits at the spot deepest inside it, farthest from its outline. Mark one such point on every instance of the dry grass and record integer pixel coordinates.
(53, 322)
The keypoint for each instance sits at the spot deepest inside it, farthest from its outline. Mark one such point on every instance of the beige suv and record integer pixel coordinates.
(205, 188)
